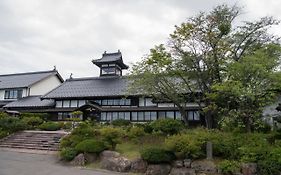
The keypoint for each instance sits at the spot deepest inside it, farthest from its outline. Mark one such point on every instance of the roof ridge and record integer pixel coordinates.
(28, 73)
(96, 78)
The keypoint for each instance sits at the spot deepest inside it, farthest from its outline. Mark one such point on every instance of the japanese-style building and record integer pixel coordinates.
(106, 97)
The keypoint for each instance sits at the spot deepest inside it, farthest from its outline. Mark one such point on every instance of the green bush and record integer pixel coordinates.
(85, 131)
(146, 127)
(112, 136)
(3, 134)
(167, 126)
(90, 146)
(157, 155)
(11, 124)
(71, 141)
(229, 167)
(188, 145)
(68, 154)
(121, 122)
(271, 163)
(43, 116)
(136, 132)
(50, 126)
(32, 122)
(67, 125)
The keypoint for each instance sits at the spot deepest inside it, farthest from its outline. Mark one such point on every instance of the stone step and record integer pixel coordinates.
(33, 140)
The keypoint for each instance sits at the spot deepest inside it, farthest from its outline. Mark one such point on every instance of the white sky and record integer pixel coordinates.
(35, 35)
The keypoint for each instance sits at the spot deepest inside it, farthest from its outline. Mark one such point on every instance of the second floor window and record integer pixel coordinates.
(13, 94)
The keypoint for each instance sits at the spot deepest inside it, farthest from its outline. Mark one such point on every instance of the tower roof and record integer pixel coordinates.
(109, 58)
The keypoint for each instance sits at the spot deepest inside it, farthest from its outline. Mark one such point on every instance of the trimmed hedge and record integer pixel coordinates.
(157, 155)
(167, 126)
(90, 146)
(32, 122)
(121, 122)
(50, 126)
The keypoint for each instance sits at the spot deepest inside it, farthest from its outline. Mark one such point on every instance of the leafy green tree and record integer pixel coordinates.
(198, 56)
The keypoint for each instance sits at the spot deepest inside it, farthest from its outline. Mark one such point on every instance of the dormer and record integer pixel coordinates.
(111, 64)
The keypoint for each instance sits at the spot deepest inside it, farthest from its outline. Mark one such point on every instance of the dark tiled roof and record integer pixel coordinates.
(31, 101)
(111, 58)
(25, 79)
(91, 87)
(4, 102)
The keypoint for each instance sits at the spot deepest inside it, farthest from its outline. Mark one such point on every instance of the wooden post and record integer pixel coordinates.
(209, 150)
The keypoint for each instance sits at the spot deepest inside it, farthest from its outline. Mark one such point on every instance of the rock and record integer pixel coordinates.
(138, 166)
(187, 163)
(177, 164)
(119, 164)
(249, 168)
(79, 160)
(109, 154)
(158, 169)
(91, 157)
(182, 171)
(204, 166)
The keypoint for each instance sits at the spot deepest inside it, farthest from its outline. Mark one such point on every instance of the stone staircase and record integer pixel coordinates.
(33, 140)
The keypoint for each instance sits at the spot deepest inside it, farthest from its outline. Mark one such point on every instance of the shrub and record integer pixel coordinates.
(68, 154)
(67, 125)
(229, 167)
(11, 124)
(271, 163)
(50, 126)
(85, 131)
(157, 155)
(112, 136)
(121, 122)
(90, 146)
(43, 116)
(167, 126)
(70, 141)
(188, 145)
(3, 134)
(32, 122)
(146, 127)
(136, 132)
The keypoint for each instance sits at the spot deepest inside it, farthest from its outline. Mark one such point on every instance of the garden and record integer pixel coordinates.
(168, 142)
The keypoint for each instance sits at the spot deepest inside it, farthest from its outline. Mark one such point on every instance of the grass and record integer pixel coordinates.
(131, 149)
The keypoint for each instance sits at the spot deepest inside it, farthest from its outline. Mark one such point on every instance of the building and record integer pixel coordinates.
(22, 91)
(106, 97)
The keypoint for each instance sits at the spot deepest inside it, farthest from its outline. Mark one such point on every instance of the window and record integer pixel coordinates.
(161, 114)
(153, 115)
(127, 102)
(140, 116)
(103, 116)
(59, 104)
(114, 115)
(73, 103)
(148, 102)
(110, 102)
(193, 115)
(127, 116)
(109, 116)
(147, 116)
(66, 103)
(121, 115)
(170, 114)
(134, 116)
(178, 115)
(13, 94)
(108, 70)
(104, 102)
(141, 101)
(81, 102)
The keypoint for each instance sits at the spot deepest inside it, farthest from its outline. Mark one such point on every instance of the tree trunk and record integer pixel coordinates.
(209, 120)
(184, 116)
(248, 124)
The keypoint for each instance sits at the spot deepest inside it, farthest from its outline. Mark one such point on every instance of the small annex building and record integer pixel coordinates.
(22, 92)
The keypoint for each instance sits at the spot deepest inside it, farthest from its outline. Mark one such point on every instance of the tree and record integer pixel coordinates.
(251, 84)
(198, 55)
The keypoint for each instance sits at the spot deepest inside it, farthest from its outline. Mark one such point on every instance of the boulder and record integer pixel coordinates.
(119, 164)
(138, 166)
(204, 166)
(177, 164)
(158, 169)
(182, 171)
(79, 160)
(187, 163)
(109, 154)
(249, 168)
(91, 157)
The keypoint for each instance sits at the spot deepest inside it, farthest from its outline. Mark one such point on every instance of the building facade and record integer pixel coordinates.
(106, 97)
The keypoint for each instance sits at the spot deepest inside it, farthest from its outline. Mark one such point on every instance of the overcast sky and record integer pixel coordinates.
(38, 34)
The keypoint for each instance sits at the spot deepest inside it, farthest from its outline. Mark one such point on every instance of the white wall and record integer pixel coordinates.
(45, 86)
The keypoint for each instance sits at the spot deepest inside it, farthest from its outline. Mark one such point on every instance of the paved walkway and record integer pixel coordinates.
(16, 163)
